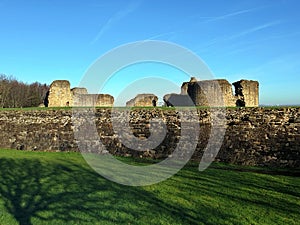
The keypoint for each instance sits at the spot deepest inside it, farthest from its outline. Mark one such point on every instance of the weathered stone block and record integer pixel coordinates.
(59, 94)
(215, 93)
(247, 93)
(143, 100)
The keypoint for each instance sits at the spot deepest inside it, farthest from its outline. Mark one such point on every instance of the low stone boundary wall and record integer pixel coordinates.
(254, 136)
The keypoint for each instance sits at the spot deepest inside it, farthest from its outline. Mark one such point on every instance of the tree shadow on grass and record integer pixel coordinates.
(236, 189)
(295, 172)
(39, 192)
(30, 188)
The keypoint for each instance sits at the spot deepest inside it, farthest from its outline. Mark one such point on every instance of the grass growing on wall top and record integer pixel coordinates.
(35, 108)
(146, 108)
(60, 188)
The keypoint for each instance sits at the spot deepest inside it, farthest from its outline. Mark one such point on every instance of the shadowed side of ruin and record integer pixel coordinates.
(177, 100)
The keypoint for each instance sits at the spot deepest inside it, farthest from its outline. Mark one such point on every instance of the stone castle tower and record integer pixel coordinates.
(60, 95)
(216, 93)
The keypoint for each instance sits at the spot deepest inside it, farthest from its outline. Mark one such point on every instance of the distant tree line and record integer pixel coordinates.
(17, 94)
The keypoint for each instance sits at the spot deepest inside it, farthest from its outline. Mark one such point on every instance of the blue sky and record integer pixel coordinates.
(258, 39)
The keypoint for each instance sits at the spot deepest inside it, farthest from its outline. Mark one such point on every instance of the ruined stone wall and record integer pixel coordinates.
(60, 94)
(211, 93)
(254, 136)
(143, 100)
(79, 91)
(219, 93)
(248, 92)
(185, 86)
(103, 100)
(226, 89)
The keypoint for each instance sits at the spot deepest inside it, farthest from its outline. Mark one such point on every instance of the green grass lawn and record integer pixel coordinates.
(60, 188)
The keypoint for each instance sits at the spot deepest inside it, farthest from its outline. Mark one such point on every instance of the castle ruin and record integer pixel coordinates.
(143, 100)
(246, 93)
(215, 93)
(61, 95)
(199, 93)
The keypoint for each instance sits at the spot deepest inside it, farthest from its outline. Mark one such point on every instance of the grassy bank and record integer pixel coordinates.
(60, 188)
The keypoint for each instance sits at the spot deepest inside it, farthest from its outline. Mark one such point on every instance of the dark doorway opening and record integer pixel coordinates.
(154, 103)
(46, 100)
(240, 103)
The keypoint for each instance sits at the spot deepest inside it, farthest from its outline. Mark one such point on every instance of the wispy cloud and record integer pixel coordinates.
(170, 34)
(229, 15)
(248, 45)
(254, 29)
(240, 34)
(204, 20)
(119, 15)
